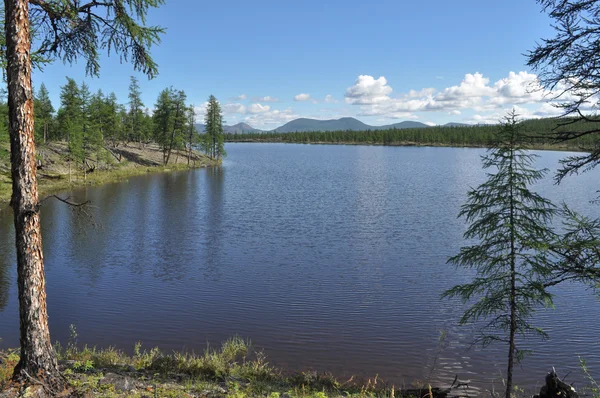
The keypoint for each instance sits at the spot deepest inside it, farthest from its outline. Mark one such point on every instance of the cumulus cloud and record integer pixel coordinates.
(500, 115)
(271, 119)
(430, 123)
(233, 108)
(329, 99)
(241, 97)
(258, 108)
(266, 98)
(200, 110)
(475, 92)
(367, 91)
(237, 108)
(302, 97)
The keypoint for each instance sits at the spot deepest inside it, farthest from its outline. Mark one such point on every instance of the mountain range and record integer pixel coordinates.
(304, 124)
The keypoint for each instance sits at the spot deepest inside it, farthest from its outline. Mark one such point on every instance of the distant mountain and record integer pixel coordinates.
(401, 125)
(240, 128)
(305, 124)
(345, 123)
(452, 124)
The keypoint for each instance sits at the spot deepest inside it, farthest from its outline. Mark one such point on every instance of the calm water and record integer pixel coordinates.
(328, 257)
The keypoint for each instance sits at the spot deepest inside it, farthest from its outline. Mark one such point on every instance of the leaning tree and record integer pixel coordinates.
(65, 29)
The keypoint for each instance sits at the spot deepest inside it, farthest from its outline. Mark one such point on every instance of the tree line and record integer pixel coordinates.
(539, 132)
(93, 124)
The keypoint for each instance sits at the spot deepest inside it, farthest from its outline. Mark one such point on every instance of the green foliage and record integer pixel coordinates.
(85, 366)
(170, 121)
(43, 113)
(214, 142)
(569, 63)
(68, 29)
(576, 250)
(509, 223)
(593, 387)
(135, 116)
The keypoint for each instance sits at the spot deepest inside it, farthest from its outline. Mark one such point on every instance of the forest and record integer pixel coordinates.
(94, 124)
(540, 133)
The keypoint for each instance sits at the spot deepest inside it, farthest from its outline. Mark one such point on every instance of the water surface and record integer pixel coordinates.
(328, 257)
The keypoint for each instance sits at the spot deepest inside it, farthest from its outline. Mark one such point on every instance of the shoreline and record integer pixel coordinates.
(54, 173)
(234, 370)
(555, 148)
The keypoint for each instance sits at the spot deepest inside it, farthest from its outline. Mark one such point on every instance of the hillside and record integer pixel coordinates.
(239, 128)
(345, 123)
(55, 173)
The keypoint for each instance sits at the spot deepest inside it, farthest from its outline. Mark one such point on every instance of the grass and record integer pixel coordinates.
(233, 370)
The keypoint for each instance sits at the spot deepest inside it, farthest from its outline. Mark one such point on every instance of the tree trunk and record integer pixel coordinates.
(38, 360)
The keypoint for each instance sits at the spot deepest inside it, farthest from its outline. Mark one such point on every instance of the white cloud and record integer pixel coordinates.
(430, 123)
(500, 115)
(302, 97)
(241, 97)
(367, 91)
(473, 85)
(271, 119)
(234, 108)
(266, 98)
(237, 108)
(475, 92)
(258, 108)
(329, 99)
(200, 111)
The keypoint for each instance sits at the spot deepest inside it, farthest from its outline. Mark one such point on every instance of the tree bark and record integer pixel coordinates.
(38, 360)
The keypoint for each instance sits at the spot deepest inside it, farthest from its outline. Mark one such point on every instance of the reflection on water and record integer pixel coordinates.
(328, 257)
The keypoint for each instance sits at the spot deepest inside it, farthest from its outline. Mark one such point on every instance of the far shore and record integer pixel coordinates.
(545, 147)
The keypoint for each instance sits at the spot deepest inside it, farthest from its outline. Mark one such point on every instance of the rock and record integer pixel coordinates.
(121, 383)
(555, 388)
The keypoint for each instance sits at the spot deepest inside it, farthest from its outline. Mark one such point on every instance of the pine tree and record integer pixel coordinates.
(192, 133)
(136, 112)
(510, 223)
(213, 130)
(44, 112)
(163, 120)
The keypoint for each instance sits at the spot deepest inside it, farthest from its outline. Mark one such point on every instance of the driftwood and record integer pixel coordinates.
(556, 388)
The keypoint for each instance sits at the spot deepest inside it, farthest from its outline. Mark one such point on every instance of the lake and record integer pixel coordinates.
(327, 257)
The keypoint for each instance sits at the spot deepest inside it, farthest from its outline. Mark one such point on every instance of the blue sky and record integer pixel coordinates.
(382, 62)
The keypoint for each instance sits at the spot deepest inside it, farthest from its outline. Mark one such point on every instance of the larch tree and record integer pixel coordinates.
(44, 112)
(569, 65)
(510, 224)
(66, 29)
(136, 111)
(213, 129)
(192, 133)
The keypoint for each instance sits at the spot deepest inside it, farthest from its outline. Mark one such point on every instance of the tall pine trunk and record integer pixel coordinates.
(37, 355)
